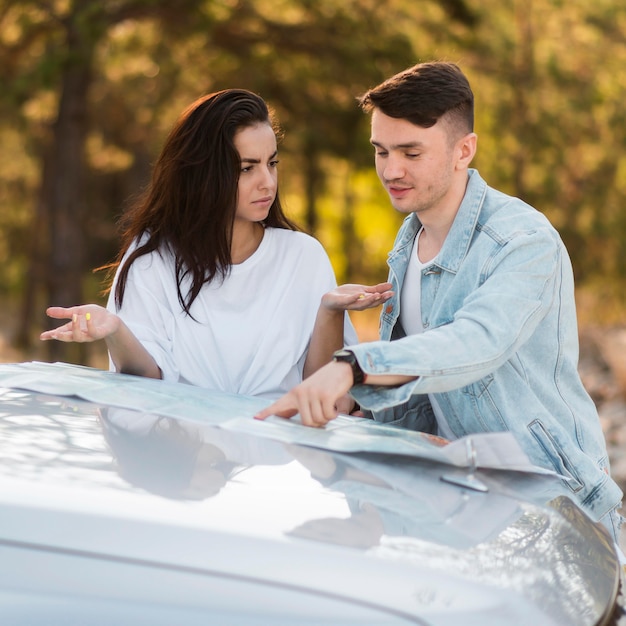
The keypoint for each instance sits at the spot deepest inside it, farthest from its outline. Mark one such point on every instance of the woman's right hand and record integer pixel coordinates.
(88, 322)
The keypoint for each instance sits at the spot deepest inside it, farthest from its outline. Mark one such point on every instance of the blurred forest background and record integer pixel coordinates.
(89, 89)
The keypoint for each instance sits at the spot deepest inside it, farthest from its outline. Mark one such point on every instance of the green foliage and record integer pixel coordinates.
(551, 119)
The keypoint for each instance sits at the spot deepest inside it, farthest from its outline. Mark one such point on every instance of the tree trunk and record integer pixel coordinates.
(63, 179)
(30, 312)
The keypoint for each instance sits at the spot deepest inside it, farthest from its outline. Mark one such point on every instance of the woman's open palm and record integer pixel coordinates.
(88, 322)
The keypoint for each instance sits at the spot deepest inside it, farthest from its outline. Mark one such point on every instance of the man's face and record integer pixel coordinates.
(416, 165)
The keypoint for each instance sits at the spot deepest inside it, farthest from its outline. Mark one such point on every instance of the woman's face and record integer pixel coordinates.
(258, 179)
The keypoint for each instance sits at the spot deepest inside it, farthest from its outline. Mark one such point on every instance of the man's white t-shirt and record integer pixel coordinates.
(411, 320)
(248, 334)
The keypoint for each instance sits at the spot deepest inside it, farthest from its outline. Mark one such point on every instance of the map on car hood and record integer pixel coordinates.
(234, 412)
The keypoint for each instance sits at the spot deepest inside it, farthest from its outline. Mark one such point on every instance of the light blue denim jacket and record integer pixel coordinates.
(500, 349)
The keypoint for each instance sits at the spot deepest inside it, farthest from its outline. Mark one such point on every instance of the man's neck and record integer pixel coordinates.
(437, 224)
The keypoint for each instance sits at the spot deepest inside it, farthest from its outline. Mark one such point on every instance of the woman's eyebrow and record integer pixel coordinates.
(249, 160)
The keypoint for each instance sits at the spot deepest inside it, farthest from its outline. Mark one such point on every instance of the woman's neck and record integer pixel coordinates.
(246, 239)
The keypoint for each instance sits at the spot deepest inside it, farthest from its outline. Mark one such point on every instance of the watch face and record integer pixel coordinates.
(343, 354)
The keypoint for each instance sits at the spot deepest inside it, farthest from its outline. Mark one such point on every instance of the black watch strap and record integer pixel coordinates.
(347, 356)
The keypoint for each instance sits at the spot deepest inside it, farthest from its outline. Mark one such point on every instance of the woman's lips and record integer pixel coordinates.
(263, 201)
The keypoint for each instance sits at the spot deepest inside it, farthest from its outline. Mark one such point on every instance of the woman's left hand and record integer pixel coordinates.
(357, 297)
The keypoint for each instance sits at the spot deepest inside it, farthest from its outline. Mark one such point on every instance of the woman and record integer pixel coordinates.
(213, 285)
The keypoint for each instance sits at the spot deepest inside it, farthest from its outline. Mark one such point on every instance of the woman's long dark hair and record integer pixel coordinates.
(189, 207)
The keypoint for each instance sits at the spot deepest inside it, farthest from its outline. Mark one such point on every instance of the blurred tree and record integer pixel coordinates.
(552, 121)
(90, 89)
(59, 40)
(296, 53)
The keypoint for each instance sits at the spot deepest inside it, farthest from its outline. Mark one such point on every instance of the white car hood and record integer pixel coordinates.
(379, 529)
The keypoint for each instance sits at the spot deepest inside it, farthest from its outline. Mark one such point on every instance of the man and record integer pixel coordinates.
(481, 334)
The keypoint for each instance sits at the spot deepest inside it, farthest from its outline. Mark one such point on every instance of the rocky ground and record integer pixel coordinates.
(603, 370)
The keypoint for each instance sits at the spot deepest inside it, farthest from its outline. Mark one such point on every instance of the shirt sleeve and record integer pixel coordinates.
(147, 310)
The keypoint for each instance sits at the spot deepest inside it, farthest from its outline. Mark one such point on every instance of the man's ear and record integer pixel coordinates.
(465, 150)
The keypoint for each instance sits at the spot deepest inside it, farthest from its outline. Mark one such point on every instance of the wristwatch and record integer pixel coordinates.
(347, 356)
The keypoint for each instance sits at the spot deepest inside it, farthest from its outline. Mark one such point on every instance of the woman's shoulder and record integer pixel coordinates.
(296, 239)
(154, 261)
(300, 256)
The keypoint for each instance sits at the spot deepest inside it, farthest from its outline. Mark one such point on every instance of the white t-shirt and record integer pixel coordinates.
(248, 334)
(411, 319)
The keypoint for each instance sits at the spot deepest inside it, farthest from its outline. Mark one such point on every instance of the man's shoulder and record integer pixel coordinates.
(506, 213)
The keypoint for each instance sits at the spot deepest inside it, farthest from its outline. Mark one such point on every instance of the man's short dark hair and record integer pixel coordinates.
(423, 94)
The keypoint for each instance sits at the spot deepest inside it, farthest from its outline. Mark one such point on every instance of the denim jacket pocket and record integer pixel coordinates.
(485, 410)
(477, 389)
(556, 456)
